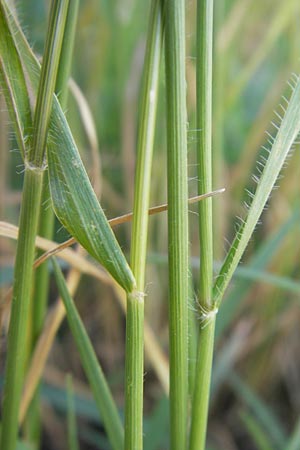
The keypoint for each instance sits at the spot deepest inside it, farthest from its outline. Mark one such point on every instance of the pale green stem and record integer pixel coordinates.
(134, 372)
(46, 221)
(202, 385)
(32, 425)
(204, 123)
(23, 277)
(219, 204)
(193, 343)
(46, 88)
(177, 220)
(135, 302)
(66, 54)
(34, 168)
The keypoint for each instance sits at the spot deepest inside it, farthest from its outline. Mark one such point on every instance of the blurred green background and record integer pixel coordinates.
(255, 401)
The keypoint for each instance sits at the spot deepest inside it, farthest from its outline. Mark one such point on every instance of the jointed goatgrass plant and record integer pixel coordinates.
(48, 147)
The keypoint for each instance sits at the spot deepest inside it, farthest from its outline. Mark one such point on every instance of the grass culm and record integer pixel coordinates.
(179, 100)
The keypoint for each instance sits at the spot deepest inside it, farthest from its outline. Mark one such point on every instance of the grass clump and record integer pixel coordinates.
(52, 147)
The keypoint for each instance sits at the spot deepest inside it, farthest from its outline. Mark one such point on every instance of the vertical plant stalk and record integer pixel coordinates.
(135, 303)
(49, 69)
(32, 425)
(207, 324)
(219, 204)
(23, 278)
(46, 222)
(177, 220)
(66, 54)
(46, 219)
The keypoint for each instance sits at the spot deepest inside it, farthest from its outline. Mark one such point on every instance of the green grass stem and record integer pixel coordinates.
(135, 303)
(219, 74)
(177, 220)
(32, 425)
(23, 276)
(51, 57)
(33, 181)
(66, 54)
(204, 123)
(202, 385)
(46, 220)
(207, 323)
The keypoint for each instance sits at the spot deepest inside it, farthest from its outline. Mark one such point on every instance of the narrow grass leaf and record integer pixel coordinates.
(157, 426)
(281, 147)
(277, 24)
(294, 441)
(265, 414)
(253, 274)
(74, 200)
(104, 400)
(256, 431)
(13, 85)
(243, 275)
(71, 416)
(85, 406)
(259, 261)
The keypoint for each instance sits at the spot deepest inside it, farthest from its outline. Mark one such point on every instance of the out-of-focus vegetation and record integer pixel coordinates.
(255, 402)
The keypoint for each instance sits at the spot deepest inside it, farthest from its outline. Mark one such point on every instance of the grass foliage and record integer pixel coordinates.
(180, 100)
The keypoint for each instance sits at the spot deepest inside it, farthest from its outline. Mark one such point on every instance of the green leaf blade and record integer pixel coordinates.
(12, 82)
(287, 133)
(74, 200)
(76, 204)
